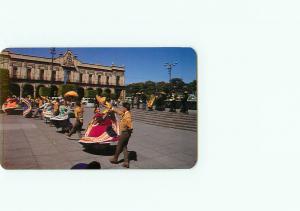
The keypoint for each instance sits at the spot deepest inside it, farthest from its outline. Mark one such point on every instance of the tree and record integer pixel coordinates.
(163, 87)
(90, 93)
(149, 87)
(177, 84)
(192, 86)
(107, 91)
(114, 96)
(62, 89)
(44, 91)
(4, 85)
(134, 88)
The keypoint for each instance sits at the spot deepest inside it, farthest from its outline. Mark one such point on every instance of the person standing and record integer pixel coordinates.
(138, 101)
(126, 130)
(38, 110)
(184, 103)
(78, 120)
(56, 107)
(132, 101)
(172, 102)
(144, 100)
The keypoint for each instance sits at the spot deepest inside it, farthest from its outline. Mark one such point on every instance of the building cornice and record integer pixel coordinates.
(38, 59)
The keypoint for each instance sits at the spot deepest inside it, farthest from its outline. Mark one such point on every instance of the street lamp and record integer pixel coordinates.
(169, 67)
(52, 52)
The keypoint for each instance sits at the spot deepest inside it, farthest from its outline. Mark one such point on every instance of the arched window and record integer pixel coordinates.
(80, 77)
(53, 75)
(42, 74)
(68, 76)
(90, 78)
(99, 79)
(107, 79)
(118, 80)
(29, 73)
(15, 72)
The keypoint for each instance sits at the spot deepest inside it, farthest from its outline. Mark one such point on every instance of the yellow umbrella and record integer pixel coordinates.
(71, 94)
(102, 100)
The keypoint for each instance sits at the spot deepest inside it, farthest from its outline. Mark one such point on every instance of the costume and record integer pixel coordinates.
(104, 127)
(27, 108)
(62, 120)
(151, 102)
(10, 105)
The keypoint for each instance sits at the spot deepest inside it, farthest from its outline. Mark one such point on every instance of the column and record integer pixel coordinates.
(21, 90)
(34, 90)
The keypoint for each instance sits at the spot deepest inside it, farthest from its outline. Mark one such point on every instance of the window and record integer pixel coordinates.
(80, 77)
(107, 79)
(29, 73)
(99, 79)
(68, 76)
(53, 75)
(15, 72)
(118, 80)
(90, 78)
(41, 74)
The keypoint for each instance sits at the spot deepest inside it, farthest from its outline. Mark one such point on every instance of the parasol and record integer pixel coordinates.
(71, 94)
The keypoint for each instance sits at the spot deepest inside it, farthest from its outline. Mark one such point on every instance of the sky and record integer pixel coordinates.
(141, 64)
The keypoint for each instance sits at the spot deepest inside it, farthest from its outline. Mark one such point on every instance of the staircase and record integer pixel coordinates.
(166, 119)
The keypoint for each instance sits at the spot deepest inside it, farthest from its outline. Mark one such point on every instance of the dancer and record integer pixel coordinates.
(103, 128)
(150, 102)
(39, 109)
(184, 103)
(78, 120)
(172, 102)
(126, 130)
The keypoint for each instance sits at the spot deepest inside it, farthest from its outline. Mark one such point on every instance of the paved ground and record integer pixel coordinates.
(32, 144)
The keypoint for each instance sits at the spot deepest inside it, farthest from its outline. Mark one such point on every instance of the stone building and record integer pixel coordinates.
(29, 73)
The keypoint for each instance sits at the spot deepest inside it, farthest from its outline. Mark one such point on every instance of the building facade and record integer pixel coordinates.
(29, 73)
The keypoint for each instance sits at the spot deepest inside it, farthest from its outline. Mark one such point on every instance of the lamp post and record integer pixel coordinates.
(169, 67)
(52, 52)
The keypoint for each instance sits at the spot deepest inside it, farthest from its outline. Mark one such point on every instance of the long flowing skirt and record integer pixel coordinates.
(104, 131)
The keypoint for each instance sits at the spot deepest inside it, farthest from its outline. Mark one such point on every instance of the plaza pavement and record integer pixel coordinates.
(32, 144)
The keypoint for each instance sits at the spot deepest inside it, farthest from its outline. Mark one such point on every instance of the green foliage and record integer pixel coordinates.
(107, 91)
(192, 87)
(90, 93)
(177, 84)
(28, 90)
(114, 96)
(99, 91)
(134, 88)
(44, 91)
(62, 89)
(14, 89)
(80, 92)
(150, 87)
(4, 85)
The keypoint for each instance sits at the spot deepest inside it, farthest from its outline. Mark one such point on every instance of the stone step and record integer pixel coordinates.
(168, 123)
(167, 120)
(171, 118)
(183, 116)
(175, 126)
(164, 113)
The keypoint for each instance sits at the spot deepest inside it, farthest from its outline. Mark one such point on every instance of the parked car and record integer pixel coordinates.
(128, 99)
(88, 102)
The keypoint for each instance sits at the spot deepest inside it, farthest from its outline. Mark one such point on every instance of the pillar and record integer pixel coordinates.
(34, 90)
(21, 90)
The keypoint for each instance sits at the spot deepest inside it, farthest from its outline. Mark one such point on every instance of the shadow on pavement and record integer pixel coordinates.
(99, 149)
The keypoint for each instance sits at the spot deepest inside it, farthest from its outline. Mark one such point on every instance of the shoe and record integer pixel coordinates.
(113, 161)
(125, 165)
